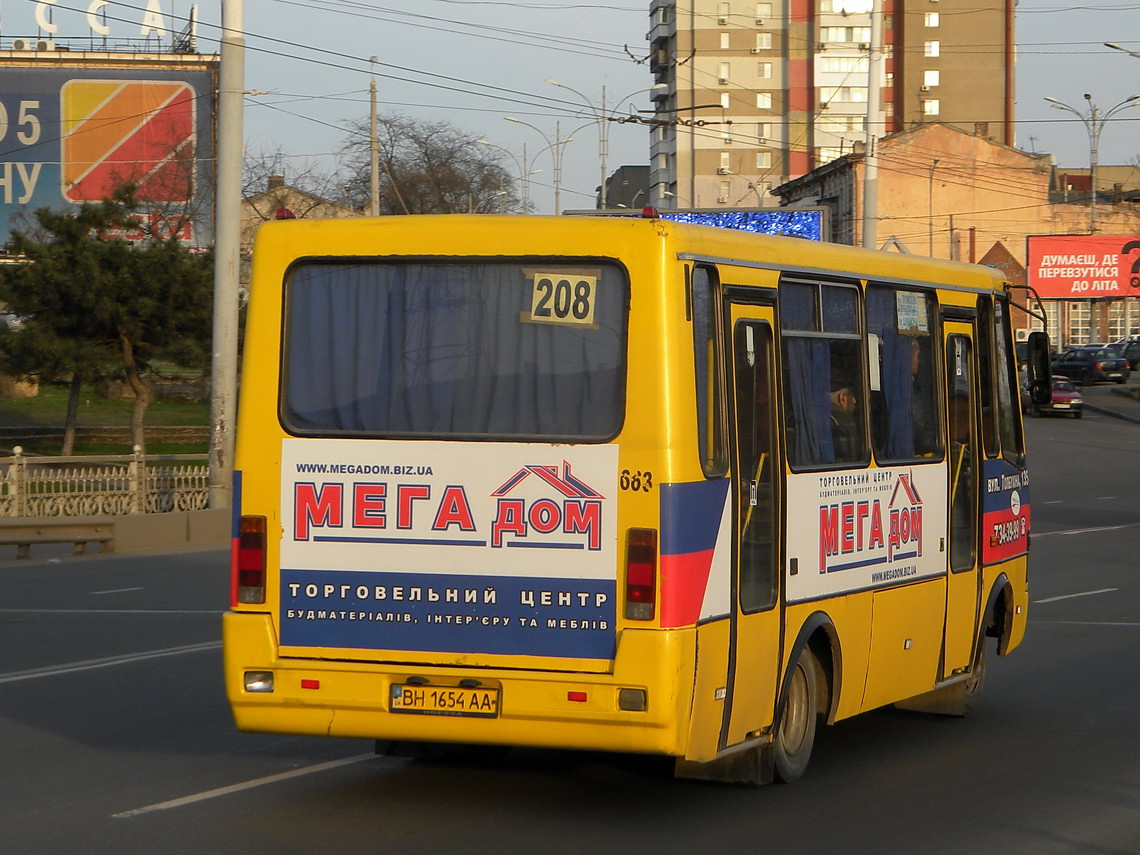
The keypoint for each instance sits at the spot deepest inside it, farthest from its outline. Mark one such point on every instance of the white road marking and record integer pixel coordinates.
(1104, 498)
(115, 591)
(245, 785)
(1081, 594)
(110, 661)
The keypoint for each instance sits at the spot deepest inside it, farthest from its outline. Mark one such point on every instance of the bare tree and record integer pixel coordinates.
(427, 167)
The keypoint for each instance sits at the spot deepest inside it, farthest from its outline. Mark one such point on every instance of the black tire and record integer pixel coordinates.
(1121, 381)
(1078, 414)
(1088, 378)
(799, 711)
(975, 682)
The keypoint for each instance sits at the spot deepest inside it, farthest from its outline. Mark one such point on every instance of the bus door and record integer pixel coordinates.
(964, 461)
(754, 657)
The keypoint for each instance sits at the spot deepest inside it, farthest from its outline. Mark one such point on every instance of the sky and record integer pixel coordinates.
(475, 62)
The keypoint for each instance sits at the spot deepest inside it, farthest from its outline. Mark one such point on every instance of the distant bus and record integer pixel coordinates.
(618, 484)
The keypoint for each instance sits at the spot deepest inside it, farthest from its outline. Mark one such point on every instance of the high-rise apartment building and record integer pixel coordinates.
(749, 94)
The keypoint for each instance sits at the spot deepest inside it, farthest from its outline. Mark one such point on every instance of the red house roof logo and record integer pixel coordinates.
(567, 484)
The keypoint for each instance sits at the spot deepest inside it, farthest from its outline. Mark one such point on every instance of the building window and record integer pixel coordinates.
(724, 189)
(723, 10)
(724, 100)
(764, 70)
(662, 161)
(763, 41)
(932, 49)
(763, 160)
(841, 124)
(1080, 318)
(843, 94)
(842, 64)
(725, 159)
(889, 79)
(845, 34)
(763, 10)
(931, 19)
(826, 154)
(764, 100)
(930, 77)
(725, 72)
(724, 41)
(930, 107)
(763, 130)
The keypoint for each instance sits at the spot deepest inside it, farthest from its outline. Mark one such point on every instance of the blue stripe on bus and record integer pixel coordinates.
(690, 516)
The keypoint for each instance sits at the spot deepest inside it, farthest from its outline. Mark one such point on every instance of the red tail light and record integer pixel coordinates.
(641, 574)
(248, 566)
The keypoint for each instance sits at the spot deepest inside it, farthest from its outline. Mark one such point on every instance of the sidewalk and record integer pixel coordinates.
(1111, 400)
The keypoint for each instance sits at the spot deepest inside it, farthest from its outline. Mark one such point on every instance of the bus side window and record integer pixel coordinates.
(710, 418)
(824, 399)
(904, 409)
(1005, 372)
(986, 376)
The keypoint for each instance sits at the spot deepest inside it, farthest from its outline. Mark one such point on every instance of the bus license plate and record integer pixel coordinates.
(445, 700)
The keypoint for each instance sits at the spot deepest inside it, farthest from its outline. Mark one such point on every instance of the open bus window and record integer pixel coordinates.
(824, 398)
(710, 418)
(477, 349)
(901, 358)
(1005, 374)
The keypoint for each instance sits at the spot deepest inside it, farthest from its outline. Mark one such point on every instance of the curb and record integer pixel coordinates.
(1105, 411)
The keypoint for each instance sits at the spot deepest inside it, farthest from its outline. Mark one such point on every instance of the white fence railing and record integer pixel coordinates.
(102, 484)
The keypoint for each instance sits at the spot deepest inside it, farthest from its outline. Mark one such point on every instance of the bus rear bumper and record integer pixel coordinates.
(552, 709)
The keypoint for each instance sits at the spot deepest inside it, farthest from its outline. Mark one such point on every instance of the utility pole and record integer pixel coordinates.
(227, 255)
(374, 143)
(871, 131)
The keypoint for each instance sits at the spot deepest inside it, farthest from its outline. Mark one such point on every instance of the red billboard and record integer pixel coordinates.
(1084, 267)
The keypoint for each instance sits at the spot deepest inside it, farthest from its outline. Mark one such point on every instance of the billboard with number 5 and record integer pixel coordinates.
(70, 135)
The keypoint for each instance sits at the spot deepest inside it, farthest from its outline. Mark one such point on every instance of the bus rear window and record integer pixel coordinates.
(491, 350)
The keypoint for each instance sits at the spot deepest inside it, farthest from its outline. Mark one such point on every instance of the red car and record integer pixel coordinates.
(1067, 400)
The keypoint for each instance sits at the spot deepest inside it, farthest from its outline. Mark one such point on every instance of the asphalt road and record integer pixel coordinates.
(115, 736)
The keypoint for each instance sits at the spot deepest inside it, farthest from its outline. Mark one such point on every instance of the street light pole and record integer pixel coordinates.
(556, 149)
(602, 117)
(1115, 46)
(1094, 123)
(524, 174)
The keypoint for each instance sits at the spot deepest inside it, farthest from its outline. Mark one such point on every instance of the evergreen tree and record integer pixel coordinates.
(99, 297)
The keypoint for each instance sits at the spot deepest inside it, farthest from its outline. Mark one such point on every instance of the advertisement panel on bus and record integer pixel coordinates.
(510, 549)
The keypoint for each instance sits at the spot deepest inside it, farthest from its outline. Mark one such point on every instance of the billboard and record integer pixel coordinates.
(74, 135)
(1084, 267)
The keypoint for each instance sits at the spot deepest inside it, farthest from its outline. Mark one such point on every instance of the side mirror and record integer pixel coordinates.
(1037, 368)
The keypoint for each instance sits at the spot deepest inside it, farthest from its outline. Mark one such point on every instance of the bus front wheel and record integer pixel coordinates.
(795, 734)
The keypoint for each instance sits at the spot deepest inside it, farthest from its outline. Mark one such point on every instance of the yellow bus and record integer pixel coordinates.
(618, 484)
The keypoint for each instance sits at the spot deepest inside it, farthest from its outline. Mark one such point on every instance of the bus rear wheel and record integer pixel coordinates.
(795, 733)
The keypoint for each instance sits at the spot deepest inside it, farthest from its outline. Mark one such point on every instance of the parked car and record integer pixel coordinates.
(1066, 400)
(1091, 364)
(1129, 348)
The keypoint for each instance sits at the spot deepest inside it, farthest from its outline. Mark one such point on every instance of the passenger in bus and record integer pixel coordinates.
(845, 430)
(921, 405)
